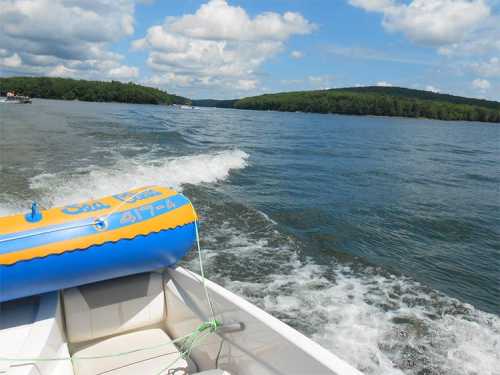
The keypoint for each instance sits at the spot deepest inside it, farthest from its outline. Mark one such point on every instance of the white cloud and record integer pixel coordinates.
(372, 5)
(170, 79)
(217, 20)
(246, 84)
(296, 55)
(12, 61)
(61, 71)
(481, 84)
(64, 37)
(363, 53)
(311, 82)
(433, 22)
(316, 79)
(489, 68)
(465, 33)
(384, 84)
(483, 40)
(291, 81)
(321, 82)
(217, 46)
(432, 89)
(124, 72)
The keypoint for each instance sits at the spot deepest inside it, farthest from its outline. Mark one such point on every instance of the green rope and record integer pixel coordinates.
(186, 345)
(212, 326)
(202, 271)
(195, 339)
(200, 332)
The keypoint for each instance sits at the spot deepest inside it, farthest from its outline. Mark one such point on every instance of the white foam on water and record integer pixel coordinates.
(91, 182)
(9, 205)
(8, 209)
(126, 174)
(377, 321)
(381, 323)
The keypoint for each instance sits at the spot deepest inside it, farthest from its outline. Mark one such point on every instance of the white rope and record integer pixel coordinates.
(202, 271)
(103, 220)
(126, 200)
(20, 237)
(200, 258)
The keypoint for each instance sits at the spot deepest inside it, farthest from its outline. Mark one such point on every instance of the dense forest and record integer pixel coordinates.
(214, 103)
(372, 100)
(92, 91)
(381, 101)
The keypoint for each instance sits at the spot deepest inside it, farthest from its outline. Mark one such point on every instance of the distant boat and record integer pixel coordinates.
(12, 98)
(185, 106)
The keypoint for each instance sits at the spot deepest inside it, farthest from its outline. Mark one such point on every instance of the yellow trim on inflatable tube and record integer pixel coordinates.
(137, 212)
(57, 216)
(183, 215)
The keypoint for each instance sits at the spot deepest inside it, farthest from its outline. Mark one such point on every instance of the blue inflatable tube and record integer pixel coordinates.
(129, 233)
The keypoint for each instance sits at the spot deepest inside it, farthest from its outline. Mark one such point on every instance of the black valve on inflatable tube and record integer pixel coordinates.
(35, 214)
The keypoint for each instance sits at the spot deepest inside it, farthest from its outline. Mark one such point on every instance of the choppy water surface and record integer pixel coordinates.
(377, 237)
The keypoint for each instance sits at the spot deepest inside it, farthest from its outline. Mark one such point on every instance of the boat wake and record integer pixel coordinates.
(380, 322)
(67, 187)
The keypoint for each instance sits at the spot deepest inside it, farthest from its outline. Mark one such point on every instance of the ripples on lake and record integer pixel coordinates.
(377, 237)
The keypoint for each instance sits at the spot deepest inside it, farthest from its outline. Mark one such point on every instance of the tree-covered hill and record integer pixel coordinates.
(371, 100)
(374, 100)
(424, 95)
(214, 103)
(93, 91)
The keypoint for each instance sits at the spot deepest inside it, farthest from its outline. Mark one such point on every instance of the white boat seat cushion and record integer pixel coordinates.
(152, 361)
(113, 306)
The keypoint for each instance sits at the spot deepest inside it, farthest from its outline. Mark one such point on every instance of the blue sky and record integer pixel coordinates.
(226, 49)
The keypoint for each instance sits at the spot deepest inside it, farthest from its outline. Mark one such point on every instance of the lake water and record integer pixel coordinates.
(377, 237)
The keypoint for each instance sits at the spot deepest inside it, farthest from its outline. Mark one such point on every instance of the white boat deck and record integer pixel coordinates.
(17, 318)
(126, 326)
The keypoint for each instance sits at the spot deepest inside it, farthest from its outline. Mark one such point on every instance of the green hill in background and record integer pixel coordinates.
(372, 100)
(214, 103)
(92, 91)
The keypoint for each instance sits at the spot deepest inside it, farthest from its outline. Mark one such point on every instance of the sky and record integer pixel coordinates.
(235, 48)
